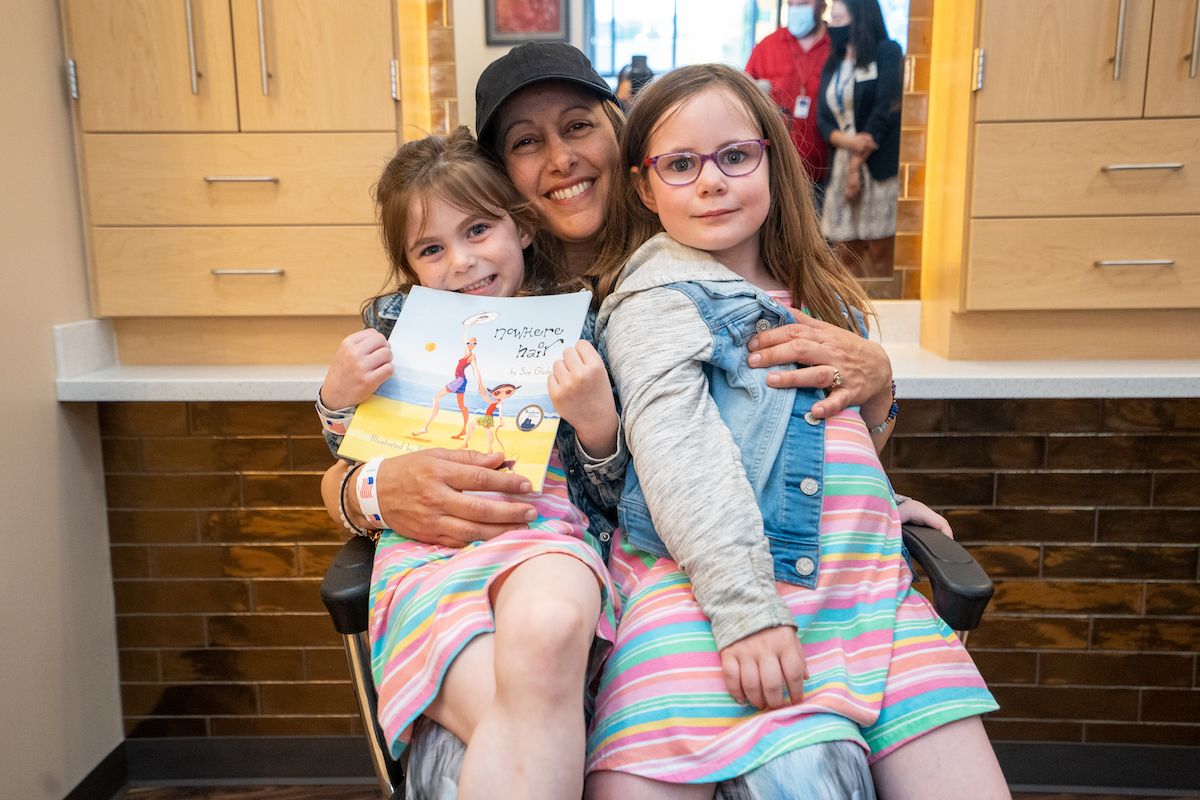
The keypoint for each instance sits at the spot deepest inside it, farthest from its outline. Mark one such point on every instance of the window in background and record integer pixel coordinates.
(672, 33)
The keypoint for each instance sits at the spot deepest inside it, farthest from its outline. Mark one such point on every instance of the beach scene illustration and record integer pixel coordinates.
(471, 372)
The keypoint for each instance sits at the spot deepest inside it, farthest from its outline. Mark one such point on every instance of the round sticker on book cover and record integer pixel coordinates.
(530, 417)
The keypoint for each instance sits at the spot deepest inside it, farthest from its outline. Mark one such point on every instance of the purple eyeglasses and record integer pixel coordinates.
(734, 160)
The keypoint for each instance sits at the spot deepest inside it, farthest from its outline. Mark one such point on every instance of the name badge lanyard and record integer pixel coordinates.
(802, 106)
(838, 85)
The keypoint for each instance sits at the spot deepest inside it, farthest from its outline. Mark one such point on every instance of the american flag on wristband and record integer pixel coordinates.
(336, 426)
(366, 489)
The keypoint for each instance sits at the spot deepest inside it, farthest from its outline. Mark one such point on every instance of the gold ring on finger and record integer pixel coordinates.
(837, 381)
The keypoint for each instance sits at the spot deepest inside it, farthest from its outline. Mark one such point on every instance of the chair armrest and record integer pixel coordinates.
(961, 589)
(347, 585)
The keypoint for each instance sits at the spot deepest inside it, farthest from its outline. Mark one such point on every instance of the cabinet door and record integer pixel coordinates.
(1173, 85)
(314, 65)
(1054, 59)
(153, 65)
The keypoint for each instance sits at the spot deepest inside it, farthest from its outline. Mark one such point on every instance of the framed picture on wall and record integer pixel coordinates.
(516, 21)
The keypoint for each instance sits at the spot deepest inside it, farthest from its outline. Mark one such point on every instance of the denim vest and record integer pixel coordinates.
(782, 445)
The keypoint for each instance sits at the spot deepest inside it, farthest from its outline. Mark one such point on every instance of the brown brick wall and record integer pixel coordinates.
(218, 546)
(1085, 512)
(1087, 515)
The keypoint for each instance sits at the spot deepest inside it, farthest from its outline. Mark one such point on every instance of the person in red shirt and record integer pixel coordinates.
(790, 60)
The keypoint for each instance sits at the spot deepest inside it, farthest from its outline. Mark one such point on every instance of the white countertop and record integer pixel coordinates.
(89, 372)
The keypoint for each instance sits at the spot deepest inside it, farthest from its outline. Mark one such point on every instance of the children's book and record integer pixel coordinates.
(471, 372)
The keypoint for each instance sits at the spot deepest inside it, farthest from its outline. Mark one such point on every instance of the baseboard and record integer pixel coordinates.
(295, 759)
(1028, 766)
(1116, 768)
(106, 780)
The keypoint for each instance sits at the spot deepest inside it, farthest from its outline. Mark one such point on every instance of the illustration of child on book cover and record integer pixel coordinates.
(470, 372)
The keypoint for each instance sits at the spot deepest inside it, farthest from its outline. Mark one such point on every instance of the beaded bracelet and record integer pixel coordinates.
(892, 413)
(350, 526)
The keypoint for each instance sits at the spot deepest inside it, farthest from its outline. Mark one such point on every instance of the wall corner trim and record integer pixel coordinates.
(89, 345)
(108, 778)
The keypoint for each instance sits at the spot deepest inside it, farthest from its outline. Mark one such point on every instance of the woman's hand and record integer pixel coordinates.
(581, 393)
(854, 179)
(422, 496)
(766, 669)
(862, 145)
(362, 363)
(827, 349)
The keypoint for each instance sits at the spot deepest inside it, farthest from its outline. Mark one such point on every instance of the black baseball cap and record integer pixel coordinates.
(525, 65)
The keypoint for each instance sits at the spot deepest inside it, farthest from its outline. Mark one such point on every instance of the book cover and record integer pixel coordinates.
(471, 372)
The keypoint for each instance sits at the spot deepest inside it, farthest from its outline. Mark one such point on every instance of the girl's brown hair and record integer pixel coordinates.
(455, 169)
(792, 249)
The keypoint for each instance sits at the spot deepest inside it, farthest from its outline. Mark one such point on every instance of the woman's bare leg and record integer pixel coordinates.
(437, 401)
(609, 785)
(881, 257)
(853, 255)
(524, 684)
(933, 766)
(462, 406)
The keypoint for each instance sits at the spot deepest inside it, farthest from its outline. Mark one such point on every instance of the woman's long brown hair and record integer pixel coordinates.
(455, 169)
(792, 249)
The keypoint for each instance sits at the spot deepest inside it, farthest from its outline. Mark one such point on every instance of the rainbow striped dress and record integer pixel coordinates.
(428, 602)
(883, 667)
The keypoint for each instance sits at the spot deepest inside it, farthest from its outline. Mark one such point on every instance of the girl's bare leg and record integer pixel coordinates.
(932, 766)
(470, 432)
(608, 785)
(531, 692)
(437, 400)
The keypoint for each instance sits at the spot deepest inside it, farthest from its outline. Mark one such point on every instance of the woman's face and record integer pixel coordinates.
(560, 150)
(839, 15)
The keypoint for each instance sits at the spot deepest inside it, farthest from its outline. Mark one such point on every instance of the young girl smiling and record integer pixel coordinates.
(770, 606)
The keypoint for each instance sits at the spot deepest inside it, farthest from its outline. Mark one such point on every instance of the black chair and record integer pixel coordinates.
(961, 592)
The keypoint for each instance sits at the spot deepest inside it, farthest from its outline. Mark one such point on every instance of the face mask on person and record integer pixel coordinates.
(839, 37)
(801, 21)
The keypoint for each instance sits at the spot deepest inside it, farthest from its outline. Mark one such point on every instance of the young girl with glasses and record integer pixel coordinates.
(770, 607)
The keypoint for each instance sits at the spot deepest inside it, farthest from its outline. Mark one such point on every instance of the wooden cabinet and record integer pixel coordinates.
(234, 179)
(153, 65)
(1173, 83)
(237, 271)
(1064, 175)
(227, 151)
(314, 66)
(227, 65)
(1063, 59)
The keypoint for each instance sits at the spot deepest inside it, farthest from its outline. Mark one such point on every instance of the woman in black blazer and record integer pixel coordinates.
(858, 113)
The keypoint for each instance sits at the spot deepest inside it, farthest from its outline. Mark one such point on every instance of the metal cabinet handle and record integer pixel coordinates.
(1195, 56)
(262, 50)
(1135, 262)
(275, 272)
(191, 31)
(241, 179)
(1121, 8)
(1125, 167)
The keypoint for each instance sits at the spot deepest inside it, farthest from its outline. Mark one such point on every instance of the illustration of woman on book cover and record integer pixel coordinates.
(458, 385)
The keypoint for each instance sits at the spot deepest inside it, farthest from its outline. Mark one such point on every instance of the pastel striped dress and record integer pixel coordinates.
(883, 667)
(428, 602)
